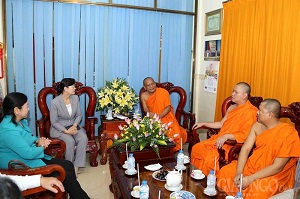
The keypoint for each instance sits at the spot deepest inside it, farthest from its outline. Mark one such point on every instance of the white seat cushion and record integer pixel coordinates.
(288, 194)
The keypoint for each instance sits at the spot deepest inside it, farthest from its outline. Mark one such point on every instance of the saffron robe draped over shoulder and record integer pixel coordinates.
(279, 142)
(156, 103)
(238, 123)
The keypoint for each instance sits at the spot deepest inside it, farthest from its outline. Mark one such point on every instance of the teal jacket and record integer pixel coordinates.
(18, 143)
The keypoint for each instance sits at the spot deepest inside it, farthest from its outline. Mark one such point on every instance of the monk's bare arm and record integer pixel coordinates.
(165, 112)
(244, 153)
(143, 101)
(214, 125)
(270, 170)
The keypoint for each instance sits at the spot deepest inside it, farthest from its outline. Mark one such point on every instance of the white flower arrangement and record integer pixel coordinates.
(118, 95)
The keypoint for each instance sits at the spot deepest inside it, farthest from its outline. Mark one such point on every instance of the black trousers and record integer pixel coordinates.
(70, 183)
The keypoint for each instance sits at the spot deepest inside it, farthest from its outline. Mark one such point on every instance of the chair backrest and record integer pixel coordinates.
(297, 181)
(255, 101)
(171, 89)
(79, 90)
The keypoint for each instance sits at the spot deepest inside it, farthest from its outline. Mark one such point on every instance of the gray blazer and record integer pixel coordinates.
(59, 115)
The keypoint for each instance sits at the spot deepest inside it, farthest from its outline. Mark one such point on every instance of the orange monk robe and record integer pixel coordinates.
(238, 123)
(156, 103)
(281, 141)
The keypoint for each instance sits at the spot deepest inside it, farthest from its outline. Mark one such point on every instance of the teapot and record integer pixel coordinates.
(174, 178)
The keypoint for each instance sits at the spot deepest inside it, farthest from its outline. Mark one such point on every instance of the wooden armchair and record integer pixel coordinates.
(16, 167)
(225, 105)
(89, 123)
(185, 119)
(292, 112)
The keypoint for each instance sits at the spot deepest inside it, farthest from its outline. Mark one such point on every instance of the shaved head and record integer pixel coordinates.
(272, 105)
(245, 87)
(144, 81)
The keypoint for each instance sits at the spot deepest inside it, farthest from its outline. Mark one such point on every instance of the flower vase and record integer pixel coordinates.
(109, 114)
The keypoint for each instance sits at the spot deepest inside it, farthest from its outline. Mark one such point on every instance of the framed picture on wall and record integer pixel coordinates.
(213, 24)
(212, 50)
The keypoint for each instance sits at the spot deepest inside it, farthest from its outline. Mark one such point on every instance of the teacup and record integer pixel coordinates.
(229, 197)
(136, 190)
(197, 173)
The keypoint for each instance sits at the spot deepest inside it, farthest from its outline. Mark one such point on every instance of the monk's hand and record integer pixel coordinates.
(220, 141)
(246, 181)
(197, 125)
(237, 179)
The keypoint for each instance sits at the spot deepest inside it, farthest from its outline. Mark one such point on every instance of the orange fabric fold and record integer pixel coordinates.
(156, 103)
(238, 123)
(280, 141)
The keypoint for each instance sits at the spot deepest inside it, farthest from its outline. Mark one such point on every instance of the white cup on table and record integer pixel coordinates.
(197, 173)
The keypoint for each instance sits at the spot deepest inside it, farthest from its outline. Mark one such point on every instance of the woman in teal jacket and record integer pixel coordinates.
(18, 143)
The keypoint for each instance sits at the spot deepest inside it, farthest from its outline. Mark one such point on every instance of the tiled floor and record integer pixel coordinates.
(95, 180)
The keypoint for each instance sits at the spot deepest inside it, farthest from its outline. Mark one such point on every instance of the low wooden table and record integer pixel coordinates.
(122, 184)
(106, 131)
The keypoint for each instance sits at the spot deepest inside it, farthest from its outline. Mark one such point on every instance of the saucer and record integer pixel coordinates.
(210, 194)
(184, 167)
(135, 195)
(153, 167)
(198, 178)
(131, 174)
(172, 188)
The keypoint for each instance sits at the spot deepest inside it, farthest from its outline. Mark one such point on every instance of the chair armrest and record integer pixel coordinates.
(233, 151)
(58, 145)
(210, 132)
(45, 170)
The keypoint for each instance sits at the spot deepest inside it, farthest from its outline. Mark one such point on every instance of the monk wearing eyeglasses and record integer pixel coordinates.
(157, 101)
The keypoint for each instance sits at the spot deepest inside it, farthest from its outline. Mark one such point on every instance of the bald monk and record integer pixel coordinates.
(157, 101)
(271, 168)
(235, 125)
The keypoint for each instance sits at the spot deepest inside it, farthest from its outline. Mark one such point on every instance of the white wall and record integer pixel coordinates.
(204, 102)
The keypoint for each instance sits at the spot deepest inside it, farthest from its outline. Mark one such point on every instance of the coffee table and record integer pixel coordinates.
(122, 184)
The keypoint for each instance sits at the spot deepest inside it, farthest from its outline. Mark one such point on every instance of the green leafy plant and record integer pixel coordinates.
(117, 94)
(140, 132)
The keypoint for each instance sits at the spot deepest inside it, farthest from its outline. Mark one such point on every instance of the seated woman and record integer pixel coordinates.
(65, 115)
(18, 143)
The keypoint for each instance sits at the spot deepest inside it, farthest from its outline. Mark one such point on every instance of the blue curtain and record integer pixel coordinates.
(49, 41)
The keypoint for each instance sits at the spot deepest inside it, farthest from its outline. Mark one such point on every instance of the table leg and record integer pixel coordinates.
(103, 147)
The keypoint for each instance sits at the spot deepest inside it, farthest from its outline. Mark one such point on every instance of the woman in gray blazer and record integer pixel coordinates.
(65, 116)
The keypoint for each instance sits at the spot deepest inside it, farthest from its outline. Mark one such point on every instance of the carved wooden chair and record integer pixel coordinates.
(210, 131)
(16, 167)
(292, 112)
(185, 119)
(90, 119)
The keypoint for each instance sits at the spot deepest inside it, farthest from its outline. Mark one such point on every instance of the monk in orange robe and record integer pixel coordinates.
(235, 125)
(271, 168)
(157, 101)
